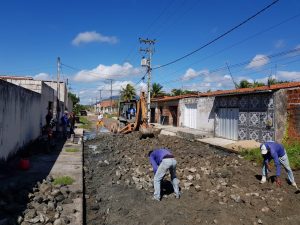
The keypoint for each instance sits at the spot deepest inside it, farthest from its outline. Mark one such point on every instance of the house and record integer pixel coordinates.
(48, 90)
(20, 117)
(108, 106)
(261, 114)
(164, 110)
(24, 103)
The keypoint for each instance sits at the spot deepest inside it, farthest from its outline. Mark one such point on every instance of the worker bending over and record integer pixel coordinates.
(273, 150)
(163, 160)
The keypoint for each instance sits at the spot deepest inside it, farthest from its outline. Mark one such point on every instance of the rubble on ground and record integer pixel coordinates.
(226, 179)
(46, 204)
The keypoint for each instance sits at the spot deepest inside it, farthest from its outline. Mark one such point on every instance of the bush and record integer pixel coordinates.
(64, 180)
(72, 150)
(293, 152)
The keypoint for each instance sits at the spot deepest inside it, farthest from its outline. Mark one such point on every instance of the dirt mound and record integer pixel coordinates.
(217, 187)
(244, 144)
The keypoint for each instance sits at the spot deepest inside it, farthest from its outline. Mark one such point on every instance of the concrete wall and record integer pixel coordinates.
(205, 112)
(168, 109)
(47, 96)
(38, 86)
(33, 85)
(280, 105)
(19, 117)
(70, 105)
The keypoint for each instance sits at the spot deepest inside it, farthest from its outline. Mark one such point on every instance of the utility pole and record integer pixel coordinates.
(149, 50)
(111, 80)
(100, 100)
(58, 95)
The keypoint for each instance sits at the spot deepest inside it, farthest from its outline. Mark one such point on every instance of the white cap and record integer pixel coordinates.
(263, 149)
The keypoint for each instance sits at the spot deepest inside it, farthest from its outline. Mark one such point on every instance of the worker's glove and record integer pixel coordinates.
(278, 182)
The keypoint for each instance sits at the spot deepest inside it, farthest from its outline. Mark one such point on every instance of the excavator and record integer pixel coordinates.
(127, 125)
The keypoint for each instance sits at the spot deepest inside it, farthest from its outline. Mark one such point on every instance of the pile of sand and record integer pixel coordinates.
(243, 144)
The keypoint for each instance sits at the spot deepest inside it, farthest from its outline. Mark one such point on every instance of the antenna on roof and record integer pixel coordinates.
(235, 84)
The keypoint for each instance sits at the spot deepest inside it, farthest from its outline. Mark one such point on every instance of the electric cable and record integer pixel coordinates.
(219, 37)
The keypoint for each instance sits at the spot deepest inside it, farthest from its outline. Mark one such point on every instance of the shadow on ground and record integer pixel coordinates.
(16, 184)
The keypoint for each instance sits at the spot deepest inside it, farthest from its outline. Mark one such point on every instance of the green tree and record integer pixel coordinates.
(258, 84)
(176, 92)
(272, 81)
(128, 93)
(245, 84)
(74, 99)
(156, 90)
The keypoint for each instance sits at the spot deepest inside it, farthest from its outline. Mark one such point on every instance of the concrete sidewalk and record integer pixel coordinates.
(71, 164)
(184, 132)
(198, 135)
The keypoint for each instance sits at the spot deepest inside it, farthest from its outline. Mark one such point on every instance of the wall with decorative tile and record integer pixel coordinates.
(256, 115)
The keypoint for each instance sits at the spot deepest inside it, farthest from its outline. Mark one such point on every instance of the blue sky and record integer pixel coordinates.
(100, 40)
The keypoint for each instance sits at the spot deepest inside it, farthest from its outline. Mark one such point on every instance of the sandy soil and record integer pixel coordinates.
(217, 187)
(244, 144)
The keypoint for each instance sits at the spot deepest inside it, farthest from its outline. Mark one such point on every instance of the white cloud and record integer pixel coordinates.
(227, 77)
(42, 76)
(279, 43)
(288, 75)
(93, 36)
(191, 73)
(90, 95)
(258, 61)
(108, 72)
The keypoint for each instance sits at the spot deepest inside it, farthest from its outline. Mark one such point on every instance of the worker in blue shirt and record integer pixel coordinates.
(273, 150)
(163, 160)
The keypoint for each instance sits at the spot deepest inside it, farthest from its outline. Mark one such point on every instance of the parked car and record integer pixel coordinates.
(83, 113)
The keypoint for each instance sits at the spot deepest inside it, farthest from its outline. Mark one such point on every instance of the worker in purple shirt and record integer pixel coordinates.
(163, 160)
(273, 150)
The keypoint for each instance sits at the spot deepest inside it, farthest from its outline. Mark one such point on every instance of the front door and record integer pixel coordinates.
(190, 116)
(228, 123)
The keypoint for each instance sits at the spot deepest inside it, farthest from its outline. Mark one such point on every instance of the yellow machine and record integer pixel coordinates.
(139, 123)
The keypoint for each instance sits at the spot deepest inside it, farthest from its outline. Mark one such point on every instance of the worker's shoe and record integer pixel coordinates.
(294, 184)
(155, 198)
(263, 180)
(177, 196)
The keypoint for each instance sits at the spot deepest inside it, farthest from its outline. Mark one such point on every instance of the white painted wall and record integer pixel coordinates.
(47, 96)
(19, 117)
(38, 86)
(205, 112)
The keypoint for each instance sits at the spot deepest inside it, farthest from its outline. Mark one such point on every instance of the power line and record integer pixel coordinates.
(240, 42)
(219, 37)
(283, 53)
(128, 57)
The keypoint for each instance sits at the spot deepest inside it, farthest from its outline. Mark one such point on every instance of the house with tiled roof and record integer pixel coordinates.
(261, 113)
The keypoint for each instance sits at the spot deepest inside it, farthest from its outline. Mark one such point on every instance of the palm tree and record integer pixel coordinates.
(156, 90)
(128, 93)
(176, 92)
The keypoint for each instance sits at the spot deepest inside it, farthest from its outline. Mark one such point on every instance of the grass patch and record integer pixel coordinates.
(72, 150)
(85, 123)
(293, 152)
(64, 180)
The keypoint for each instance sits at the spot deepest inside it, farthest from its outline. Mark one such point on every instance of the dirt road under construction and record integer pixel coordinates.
(217, 187)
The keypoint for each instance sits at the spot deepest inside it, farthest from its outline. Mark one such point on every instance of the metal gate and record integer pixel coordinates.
(190, 115)
(228, 123)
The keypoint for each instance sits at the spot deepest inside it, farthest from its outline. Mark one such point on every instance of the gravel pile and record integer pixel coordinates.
(226, 178)
(45, 204)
